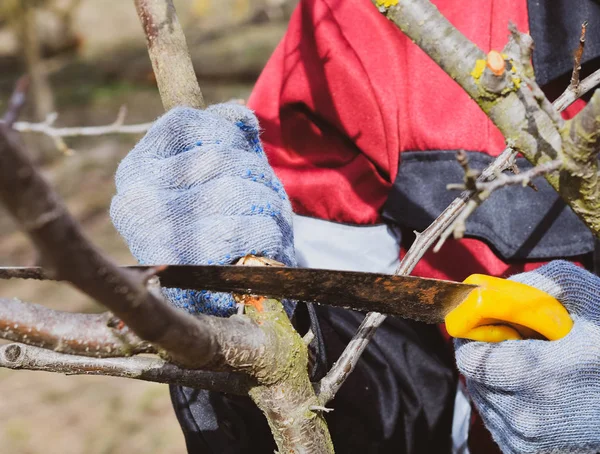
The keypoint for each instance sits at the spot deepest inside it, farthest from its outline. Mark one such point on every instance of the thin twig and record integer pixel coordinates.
(484, 190)
(117, 127)
(48, 129)
(21, 356)
(522, 178)
(574, 85)
(17, 101)
(471, 175)
(442, 225)
(569, 96)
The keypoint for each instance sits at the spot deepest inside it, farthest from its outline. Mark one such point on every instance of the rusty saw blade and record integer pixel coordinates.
(427, 300)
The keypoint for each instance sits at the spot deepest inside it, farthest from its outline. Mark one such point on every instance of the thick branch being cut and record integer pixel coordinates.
(285, 394)
(21, 356)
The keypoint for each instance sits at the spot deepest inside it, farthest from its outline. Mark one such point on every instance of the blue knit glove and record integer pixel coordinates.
(541, 396)
(197, 190)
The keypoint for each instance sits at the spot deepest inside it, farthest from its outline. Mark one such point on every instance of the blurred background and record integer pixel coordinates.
(86, 59)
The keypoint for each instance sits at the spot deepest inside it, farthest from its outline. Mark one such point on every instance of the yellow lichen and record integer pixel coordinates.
(386, 3)
(479, 68)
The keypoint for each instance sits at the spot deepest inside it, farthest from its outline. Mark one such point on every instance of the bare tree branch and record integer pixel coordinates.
(580, 184)
(100, 335)
(116, 127)
(503, 179)
(20, 356)
(569, 96)
(169, 54)
(48, 129)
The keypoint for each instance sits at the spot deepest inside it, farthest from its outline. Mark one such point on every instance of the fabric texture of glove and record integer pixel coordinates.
(541, 396)
(198, 190)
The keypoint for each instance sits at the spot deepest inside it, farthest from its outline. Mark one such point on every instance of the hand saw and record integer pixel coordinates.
(481, 308)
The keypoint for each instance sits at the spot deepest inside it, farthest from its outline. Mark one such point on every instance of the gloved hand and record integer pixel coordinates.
(197, 189)
(543, 396)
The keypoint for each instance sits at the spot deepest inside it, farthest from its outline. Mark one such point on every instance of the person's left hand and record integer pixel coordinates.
(198, 190)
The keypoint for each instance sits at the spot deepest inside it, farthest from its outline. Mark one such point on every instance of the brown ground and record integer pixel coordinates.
(50, 413)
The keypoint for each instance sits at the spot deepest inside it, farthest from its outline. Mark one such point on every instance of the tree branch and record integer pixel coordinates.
(16, 101)
(169, 54)
(100, 335)
(48, 129)
(20, 356)
(512, 100)
(569, 96)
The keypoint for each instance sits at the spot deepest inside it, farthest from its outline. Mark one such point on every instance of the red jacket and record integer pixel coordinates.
(346, 93)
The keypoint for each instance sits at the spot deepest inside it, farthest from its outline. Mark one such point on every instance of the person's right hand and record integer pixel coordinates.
(539, 396)
(197, 190)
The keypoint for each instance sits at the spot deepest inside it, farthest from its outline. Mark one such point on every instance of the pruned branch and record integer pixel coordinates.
(512, 99)
(21, 356)
(169, 54)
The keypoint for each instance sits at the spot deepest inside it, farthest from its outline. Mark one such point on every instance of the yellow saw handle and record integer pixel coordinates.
(500, 310)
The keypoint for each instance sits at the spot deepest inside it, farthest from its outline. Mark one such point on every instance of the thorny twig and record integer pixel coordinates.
(522, 178)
